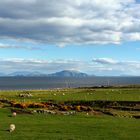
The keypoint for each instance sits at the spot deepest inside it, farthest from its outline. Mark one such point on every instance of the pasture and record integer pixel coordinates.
(79, 126)
(113, 94)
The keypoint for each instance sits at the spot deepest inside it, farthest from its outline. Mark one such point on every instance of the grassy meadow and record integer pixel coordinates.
(120, 94)
(79, 126)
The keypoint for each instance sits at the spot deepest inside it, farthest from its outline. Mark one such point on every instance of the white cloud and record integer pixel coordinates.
(99, 66)
(115, 67)
(70, 22)
(105, 61)
(19, 64)
(15, 46)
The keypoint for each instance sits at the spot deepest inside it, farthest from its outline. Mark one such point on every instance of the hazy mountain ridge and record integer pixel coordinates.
(64, 73)
(2, 74)
(25, 73)
(69, 73)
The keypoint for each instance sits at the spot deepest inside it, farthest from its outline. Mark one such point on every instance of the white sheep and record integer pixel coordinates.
(12, 127)
(14, 114)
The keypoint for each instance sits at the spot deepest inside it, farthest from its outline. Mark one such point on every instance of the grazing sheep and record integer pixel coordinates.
(14, 114)
(25, 95)
(12, 127)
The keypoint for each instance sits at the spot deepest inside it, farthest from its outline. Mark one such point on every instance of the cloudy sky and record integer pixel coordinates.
(100, 37)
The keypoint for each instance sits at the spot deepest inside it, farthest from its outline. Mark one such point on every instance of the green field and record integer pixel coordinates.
(126, 94)
(70, 127)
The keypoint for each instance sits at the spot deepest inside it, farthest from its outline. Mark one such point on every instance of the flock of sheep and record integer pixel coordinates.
(12, 127)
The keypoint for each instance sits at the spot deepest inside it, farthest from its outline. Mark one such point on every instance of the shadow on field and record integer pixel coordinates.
(5, 130)
(54, 132)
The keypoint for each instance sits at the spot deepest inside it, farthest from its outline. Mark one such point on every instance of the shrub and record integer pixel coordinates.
(36, 105)
(77, 108)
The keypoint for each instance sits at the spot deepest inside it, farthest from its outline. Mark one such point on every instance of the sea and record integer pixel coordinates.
(23, 83)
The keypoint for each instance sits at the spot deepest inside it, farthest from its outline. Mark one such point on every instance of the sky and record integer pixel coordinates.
(98, 37)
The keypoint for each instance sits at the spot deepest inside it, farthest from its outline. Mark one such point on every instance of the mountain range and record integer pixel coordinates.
(64, 73)
(68, 73)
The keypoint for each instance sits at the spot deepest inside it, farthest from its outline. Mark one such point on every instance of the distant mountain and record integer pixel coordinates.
(2, 74)
(68, 73)
(127, 75)
(26, 74)
(19, 73)
(64, 73)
